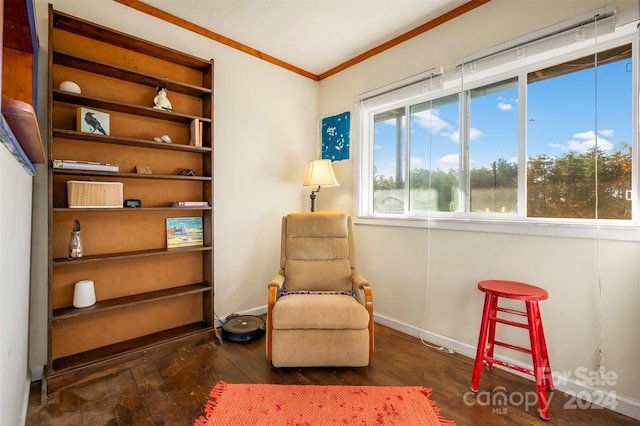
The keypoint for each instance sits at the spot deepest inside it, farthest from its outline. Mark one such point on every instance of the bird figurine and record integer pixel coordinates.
(161, 101)
(93, 122)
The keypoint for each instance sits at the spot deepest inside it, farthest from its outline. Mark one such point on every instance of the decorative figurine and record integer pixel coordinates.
(161, 101)
(75, 243)
(70, 86)
(163, 138)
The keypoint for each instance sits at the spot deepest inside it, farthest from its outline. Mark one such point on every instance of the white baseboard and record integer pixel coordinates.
(260, 310)
(25, 398)
(569, 385)
(37, 373)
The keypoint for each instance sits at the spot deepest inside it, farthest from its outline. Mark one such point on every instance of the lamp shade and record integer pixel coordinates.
(321, 174)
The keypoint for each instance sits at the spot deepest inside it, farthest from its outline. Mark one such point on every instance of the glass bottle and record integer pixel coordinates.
(75, 246)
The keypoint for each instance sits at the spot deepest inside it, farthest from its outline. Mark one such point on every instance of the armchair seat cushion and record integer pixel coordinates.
(319, 311)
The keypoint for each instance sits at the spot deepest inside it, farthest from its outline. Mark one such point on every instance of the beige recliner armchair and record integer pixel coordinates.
(320, 310)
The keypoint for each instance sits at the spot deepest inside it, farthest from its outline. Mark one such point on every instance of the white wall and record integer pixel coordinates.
(425, 282)
(15, 241)
(265, 120)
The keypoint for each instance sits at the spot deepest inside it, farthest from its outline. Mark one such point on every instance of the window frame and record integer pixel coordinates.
(455, 82)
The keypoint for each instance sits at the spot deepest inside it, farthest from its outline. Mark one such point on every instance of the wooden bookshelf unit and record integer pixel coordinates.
(148, 296)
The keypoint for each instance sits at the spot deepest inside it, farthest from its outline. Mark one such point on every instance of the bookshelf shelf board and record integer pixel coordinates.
(123, 348)
(93, 102)
(127, 255)
(24, 124)
(90, 65)
(123, 302)
(136, 209)
(93, 31)
(89, 137)
(129, 175)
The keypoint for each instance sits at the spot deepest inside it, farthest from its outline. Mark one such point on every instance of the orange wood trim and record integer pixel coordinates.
(460, 10)
(273, 289)
(368, 303)
(150, 10)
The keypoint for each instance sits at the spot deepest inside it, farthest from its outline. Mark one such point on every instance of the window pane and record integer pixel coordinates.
(435, 155)
(493, 147)
(579, 115)
(388, 161)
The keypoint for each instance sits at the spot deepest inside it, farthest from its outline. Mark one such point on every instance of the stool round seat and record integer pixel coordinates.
(513, 290)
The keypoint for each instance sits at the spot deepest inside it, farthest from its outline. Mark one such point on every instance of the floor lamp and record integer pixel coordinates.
(320, 174)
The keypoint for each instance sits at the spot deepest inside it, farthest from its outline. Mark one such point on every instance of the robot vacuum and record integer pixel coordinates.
(243, 328)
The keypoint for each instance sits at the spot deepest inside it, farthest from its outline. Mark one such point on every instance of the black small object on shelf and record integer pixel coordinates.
(132, 203)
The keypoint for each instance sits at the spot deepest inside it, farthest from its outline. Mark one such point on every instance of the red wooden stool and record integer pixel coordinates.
(494, 289)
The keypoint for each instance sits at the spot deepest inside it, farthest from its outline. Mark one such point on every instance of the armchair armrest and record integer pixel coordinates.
(276, 283)
(277, 280)
(361, 283)
(359, 280)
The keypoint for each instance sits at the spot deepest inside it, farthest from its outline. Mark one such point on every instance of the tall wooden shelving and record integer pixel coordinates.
(148, 296)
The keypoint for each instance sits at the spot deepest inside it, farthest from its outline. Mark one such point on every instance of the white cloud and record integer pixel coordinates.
(473, 134)
(377, 147)
(506, 104)
(431, 119)
(416, 161)
(449, 162)
(606, 133)
(584, 141)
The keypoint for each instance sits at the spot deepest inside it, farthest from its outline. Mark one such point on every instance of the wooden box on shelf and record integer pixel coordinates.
(148, 297)
(94, 194)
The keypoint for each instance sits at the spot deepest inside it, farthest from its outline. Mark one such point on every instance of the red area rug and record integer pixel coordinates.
(274, 405)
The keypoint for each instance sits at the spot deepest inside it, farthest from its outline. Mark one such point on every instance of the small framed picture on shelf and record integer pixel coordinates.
(143, 170)
(92, 121)
(184, 232)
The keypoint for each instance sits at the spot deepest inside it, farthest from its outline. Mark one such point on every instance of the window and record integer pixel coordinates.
(435, 159)
(493, 147)
(521, 141)
(389, 154)
(574, 170)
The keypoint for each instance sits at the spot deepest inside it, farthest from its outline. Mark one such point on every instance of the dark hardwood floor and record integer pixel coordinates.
(172, 389)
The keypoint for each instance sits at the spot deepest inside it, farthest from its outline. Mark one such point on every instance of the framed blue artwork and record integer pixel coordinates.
(336, 137)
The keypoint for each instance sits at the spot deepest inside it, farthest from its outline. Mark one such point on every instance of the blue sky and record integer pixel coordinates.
(561, 117)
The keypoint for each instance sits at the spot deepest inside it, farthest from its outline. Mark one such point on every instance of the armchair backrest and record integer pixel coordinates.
(317, 252)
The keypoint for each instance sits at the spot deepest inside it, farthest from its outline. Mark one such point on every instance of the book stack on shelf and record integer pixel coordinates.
(85, 165)
(190, 204)
(196, 133)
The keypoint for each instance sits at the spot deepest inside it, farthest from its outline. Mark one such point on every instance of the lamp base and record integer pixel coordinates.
(313, 199)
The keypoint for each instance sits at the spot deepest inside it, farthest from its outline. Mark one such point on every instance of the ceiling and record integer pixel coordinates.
(313, 35)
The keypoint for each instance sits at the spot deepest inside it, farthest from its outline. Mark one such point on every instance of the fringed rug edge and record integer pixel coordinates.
(212, 403)
(444, 422)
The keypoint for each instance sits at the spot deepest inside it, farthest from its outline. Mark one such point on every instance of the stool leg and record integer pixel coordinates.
(533, 316)
(482, 342)
(493, 313)
(548, 377)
